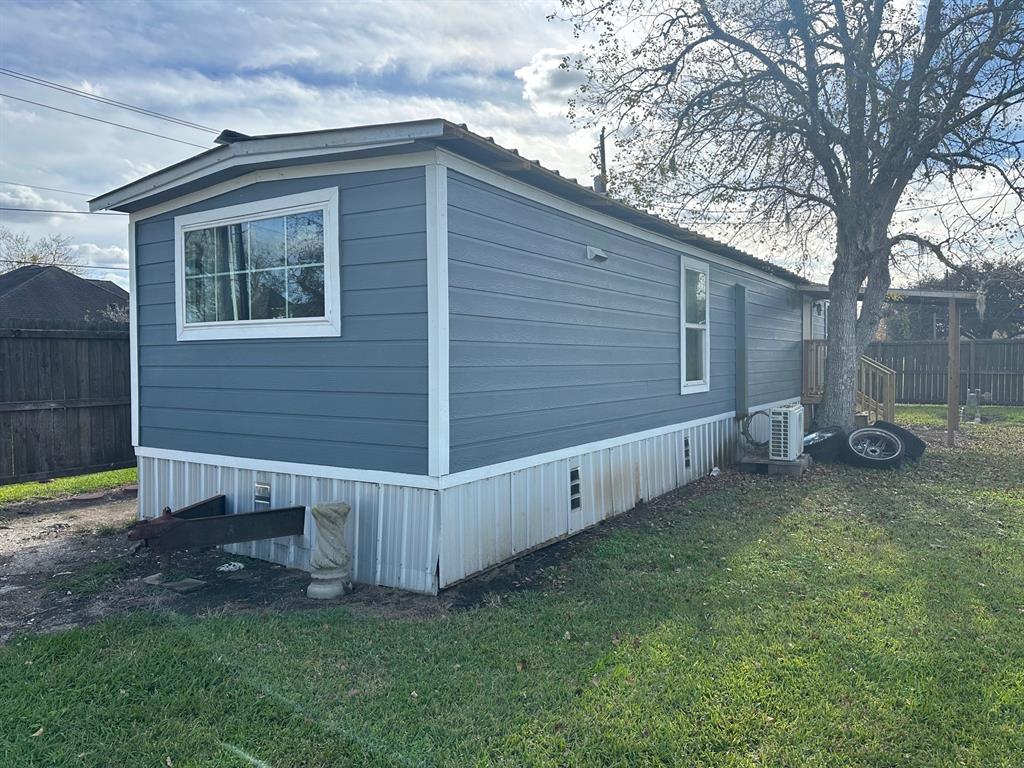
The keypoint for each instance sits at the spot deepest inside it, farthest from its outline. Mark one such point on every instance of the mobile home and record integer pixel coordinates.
(479, 355)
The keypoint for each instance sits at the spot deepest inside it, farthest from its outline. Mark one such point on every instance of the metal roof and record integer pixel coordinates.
(240, 154)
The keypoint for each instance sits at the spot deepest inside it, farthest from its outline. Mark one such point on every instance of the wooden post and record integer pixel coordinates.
(953, 374)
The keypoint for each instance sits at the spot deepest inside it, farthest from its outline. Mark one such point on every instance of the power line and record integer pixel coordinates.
(47, 189)
(99, 120)
(105, 100)
(953, 202)
(76, 266)
(746, 212)
(57, 210)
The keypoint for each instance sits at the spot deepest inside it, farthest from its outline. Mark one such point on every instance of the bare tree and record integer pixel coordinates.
(19, 250)
(822, 116)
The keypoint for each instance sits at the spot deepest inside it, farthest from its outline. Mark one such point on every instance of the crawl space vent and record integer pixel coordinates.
(686, 452)
(575, 492)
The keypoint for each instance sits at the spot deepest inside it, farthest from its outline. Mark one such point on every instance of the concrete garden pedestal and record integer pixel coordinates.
(330, 559)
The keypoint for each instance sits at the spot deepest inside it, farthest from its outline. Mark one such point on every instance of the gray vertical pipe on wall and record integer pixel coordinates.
(740, 307)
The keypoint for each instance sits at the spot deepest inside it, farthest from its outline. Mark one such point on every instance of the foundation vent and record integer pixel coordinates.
(575, 489)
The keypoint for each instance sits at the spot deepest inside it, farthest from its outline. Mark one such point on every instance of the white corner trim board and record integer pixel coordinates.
(323, 200)
(133, 331)
(437, 319)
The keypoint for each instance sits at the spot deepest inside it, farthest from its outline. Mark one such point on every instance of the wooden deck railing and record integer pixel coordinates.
(876, 384)
(876, 390)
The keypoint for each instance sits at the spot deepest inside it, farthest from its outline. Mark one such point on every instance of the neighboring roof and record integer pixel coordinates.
(110, 287)
(911, 294)
(51, 293)
(239, 154)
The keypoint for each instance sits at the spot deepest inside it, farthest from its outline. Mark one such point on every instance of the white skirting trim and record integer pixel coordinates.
(409, 535)
(392, 533)
(494, 518)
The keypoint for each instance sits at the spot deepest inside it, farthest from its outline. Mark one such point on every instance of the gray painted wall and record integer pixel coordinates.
(549, 350)
(355, 401)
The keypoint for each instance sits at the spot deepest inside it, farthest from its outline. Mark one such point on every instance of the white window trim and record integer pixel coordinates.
(685, 387)
(325, 200)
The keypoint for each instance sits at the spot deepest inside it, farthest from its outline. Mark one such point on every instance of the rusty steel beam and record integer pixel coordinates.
(215, 505)
(189, 528)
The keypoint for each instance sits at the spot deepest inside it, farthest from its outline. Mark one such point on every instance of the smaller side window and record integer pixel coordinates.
(694, 326)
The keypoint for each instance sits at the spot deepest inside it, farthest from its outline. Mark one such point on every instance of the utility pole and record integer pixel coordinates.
(601, 180)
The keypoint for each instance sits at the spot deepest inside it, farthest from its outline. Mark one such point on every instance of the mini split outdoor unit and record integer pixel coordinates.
(787, 437)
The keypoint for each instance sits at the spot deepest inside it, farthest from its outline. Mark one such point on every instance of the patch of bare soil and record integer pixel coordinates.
(66, 564)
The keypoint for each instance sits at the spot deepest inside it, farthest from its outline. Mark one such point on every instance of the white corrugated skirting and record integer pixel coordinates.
(421, 539)
(488, 521)
(392, 533)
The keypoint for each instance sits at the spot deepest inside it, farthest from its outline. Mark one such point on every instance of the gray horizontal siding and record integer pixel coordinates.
(549, 350)
(355, 401)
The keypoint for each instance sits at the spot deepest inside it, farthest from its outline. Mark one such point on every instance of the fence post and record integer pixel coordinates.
(953, 374)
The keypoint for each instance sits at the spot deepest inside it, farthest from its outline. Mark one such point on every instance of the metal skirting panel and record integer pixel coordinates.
(485, 522)
(392, 531)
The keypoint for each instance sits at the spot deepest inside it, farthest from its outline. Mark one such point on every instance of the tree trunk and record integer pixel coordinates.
(861, 255)
(843, 355)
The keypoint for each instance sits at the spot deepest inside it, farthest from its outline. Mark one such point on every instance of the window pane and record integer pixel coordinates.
(200, 300)
(267, 242)
(306, 238)
(232, 296)
(267, 294)
(200, 245)
(696, 296)
(695, 354)
(306, 292)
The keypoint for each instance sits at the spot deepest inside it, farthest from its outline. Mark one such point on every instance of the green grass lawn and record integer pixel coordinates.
(935, 415)
(852, 619)
(68, 486)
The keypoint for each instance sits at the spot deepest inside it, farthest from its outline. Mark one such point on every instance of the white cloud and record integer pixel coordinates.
(29, 199)
(101, 256)
(547, 85)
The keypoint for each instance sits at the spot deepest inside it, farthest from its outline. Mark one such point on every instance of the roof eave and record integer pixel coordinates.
(517, 166)
(324, 145)
(266, 149)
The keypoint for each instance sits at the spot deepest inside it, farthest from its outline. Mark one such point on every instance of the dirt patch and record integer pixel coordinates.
(65, 564)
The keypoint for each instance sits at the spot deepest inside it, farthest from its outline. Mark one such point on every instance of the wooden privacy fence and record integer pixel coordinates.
(995, 366)
(64, 399)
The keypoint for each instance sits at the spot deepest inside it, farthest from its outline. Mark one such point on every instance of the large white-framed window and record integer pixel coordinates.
(694, 326)
(265, 269)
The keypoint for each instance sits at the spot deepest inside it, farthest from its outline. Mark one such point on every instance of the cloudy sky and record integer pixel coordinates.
(266, 66)
(258, 67)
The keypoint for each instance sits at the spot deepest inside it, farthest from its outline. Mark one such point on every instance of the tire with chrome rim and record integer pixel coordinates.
(874, 447)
